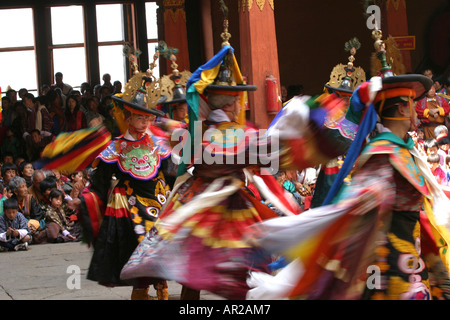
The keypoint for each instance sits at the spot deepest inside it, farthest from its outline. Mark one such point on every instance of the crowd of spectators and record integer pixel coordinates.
(29, 123)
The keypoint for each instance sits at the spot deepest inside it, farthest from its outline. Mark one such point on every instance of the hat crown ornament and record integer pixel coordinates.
(380, 52)
(172, 85)
(143, 88)
(347, 77)
(225, 76)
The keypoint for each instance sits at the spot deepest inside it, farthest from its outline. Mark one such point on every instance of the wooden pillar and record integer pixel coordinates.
(42, 31)
(396, 25)
(208, 39)
(259, 54)
(90, 32)
(175, 32)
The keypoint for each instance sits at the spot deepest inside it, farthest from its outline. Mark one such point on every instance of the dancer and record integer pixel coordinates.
(343, 80)
(198, 239)
(127, 189)
(370, 239)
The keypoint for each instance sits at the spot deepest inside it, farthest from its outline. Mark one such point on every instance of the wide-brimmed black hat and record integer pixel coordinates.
(225, 82)
(419, 83)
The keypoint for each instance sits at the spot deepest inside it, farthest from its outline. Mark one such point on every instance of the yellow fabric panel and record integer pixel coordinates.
(440, 234)
(207, 77)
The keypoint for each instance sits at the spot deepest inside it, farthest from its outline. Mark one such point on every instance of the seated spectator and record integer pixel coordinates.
(444, 144)
(19, 124)
(27, 205)
(107, 84)
(45, 187)
(34, 190)
(84, 88)
(105, 106)
(12, 145)
(7, 111)
(75, 185)
(59, 181)
(111, 123)
(117, 87)
(419, 145)
(36, 141)
(44, 89)
(9, 171)
(92, 111)
(438, 172)
(440, 131)
(22, 92)
(5, 194)
(8, 158)
(26, 171)
(60, 228)
(14, 232)
(18, 161)
(75, 118)
(56, 111)
(6, 190)
(60, 84)
(38, 115)
(431, 146)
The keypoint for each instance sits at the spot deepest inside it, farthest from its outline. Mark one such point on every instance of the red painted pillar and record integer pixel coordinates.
(396, 25)
(259, 55)
(175, 32)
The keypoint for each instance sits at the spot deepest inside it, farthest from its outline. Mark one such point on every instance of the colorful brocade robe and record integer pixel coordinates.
(124, 200)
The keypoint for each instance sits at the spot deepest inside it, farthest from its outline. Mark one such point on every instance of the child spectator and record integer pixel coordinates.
(438, 172)
(6, 194)
(14, 232)
(420, 134)
(26, 170)
(431, 146)
(60, 228)
(45, 187)
(444, 144)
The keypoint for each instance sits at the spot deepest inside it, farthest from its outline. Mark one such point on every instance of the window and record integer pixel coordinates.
(110, 33)
(17, 55)
(67, 44)
(69, 56)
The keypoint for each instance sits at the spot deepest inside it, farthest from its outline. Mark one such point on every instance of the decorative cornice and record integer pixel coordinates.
(174, 8)
(248, 4)
(177, 4)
